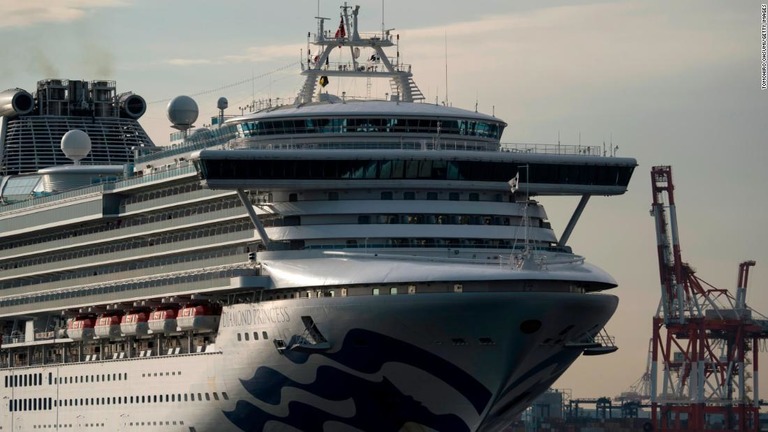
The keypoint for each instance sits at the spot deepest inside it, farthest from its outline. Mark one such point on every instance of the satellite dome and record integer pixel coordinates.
(222, 103)
(182, 112)
(76, 145)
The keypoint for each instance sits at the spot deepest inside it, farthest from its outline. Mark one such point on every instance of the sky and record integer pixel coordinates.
(669, 83)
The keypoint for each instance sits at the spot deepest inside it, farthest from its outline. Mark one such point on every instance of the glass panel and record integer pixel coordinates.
(386, 170)
(411, 169)
(425, 169)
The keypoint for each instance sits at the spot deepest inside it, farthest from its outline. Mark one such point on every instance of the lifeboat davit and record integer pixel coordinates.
(135, 323)
(108, 325)
(81, 327)
(163, 320)
(199, 317)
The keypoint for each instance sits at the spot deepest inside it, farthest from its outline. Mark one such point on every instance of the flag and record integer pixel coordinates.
(514, 183)
(341, 33)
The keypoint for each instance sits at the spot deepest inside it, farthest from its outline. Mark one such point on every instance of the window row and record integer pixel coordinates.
(451, 243)
(247, 336)
(431, 126)
(85, 379)
(417, 218)
(142, 219)
(130, 286)
(121, 267)
(135, 243)
(427, 195)
(162, 193)
(25, 380)
(483, 171)
(42, 404)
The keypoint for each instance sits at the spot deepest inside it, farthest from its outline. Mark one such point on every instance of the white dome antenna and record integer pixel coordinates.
(182, 112)
(222, 104)
(76, 145)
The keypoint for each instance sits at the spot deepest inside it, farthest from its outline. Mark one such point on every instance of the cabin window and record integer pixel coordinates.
(255, 335)
(375, 291)
(432, 196)
(264, 335)
(387, 195)
(453, 196)
(246, 336)
(293, 197)
(333, 196)
(409, 195)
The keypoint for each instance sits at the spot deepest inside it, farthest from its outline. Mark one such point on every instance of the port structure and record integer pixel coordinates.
(705, 340)
(639, 393)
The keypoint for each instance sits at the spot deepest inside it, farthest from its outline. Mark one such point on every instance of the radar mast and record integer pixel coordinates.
(318, 69)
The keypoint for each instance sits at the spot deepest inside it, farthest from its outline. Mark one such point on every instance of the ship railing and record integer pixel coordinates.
(603, 338)
(95, 191)
(201, 139)
(552, 149)
(417, 144)
(322, 143)
(538, 259)
(58, 198)
(375, 66)
(548, 255)
(188, 277)
(329, 35)
(13, 338)
(162, 174)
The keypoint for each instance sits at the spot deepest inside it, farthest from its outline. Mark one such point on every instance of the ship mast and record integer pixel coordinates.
(319, 69)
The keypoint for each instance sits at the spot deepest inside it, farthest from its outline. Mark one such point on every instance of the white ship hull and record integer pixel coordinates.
(455, 361)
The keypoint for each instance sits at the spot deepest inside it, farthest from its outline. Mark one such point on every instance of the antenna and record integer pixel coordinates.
(446, 66)
(382, 19)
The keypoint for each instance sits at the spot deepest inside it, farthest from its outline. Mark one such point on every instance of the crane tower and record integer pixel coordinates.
(705, 340)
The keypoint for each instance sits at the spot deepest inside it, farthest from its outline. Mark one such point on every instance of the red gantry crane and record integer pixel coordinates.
(705, 341)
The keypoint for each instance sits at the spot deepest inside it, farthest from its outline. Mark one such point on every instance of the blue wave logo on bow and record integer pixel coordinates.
(379, 405)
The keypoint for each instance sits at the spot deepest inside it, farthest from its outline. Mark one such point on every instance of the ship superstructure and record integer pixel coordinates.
(334, 264)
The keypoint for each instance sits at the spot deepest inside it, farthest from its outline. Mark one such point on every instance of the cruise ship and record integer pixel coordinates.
(332, 264)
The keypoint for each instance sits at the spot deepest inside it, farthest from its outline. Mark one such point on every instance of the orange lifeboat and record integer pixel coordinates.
(199, 317)
(163, 320)
(108, 325)
(81, 327)
(135, 323)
